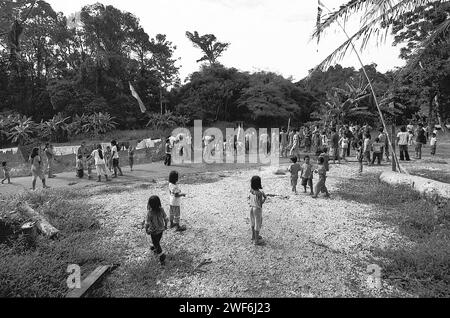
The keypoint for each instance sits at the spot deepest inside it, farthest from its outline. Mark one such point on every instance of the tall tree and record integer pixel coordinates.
(164, 64)
(209, 45)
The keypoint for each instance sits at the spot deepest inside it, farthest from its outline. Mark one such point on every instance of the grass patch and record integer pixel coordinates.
(423, 269)
(38, 268)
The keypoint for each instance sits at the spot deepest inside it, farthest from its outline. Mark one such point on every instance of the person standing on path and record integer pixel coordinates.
(131, 156)
(294, 169)
(100, 163)
(421, 140)
(295, 150)
(334, 150)
(175, 202)
(257, 199)
(367, 148)
(49, 153)
(115, 158)
(108, 158)
(321, 184)
(384, 141)
(433, 144)
(403, 141)
(36, 168)
(284, 143)
(84, 152)
(6, 173)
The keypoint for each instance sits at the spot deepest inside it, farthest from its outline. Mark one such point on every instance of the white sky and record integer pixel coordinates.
(269, 35)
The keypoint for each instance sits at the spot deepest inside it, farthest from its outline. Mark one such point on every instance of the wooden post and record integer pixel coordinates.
(393, 155)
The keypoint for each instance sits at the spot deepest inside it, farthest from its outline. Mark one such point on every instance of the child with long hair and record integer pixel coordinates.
(294, 169)
(175, 202)
(100, 163)
(257, 199)
(155, 225)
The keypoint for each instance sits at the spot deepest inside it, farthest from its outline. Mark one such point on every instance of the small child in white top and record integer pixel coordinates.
(433, 144)
(175, 202)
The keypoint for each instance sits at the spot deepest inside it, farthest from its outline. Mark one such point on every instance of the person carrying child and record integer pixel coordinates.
(6, 173)
(307, 175)
(321, 184)
(257, 199)
(175, 202)
(294, 169)
(155, 225)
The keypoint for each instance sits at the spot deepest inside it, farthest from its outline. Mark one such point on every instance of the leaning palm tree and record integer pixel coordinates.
(377, 17)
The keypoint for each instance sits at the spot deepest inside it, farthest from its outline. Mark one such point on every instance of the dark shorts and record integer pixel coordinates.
(307, 182)
(115, 163)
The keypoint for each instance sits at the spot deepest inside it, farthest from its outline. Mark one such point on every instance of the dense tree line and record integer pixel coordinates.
(53, 66)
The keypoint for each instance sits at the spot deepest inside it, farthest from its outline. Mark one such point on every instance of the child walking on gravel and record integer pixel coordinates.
(307, 175)
(155, 225)
(175, 202)
(322, 172)
(257, 199)
(294, 169)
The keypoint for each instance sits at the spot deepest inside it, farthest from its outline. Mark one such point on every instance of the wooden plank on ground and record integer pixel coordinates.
(89, 282)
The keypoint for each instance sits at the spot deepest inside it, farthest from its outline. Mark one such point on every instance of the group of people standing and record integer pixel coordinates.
(103, 160)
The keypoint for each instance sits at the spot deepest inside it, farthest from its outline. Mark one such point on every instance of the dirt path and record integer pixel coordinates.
(315, 248)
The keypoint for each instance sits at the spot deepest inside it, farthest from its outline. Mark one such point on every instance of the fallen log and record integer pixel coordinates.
(41, 222)
(425, 186)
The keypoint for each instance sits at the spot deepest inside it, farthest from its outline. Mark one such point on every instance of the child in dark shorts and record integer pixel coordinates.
(307, 175)
(294, 169)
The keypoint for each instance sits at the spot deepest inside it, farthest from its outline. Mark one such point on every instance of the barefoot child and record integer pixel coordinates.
(294, 169)
(307, 175)
(6, 173)
(175, 202)
(360, 155)
(155, 225)
(433, 144)
(131, 157)
(79, 167)
(322, 172)
(257, 199)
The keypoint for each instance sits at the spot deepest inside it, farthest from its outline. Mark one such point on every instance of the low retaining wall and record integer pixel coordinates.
(425, 186)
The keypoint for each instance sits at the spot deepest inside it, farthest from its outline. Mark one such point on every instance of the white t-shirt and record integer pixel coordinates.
(116, 153)
(403, 138)
(98, 160)
(433, 141)
(173, 189)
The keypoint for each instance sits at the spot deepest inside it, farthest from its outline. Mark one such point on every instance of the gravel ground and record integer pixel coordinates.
(315, 248)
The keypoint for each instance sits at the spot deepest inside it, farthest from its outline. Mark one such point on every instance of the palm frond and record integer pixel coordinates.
(379, 14)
